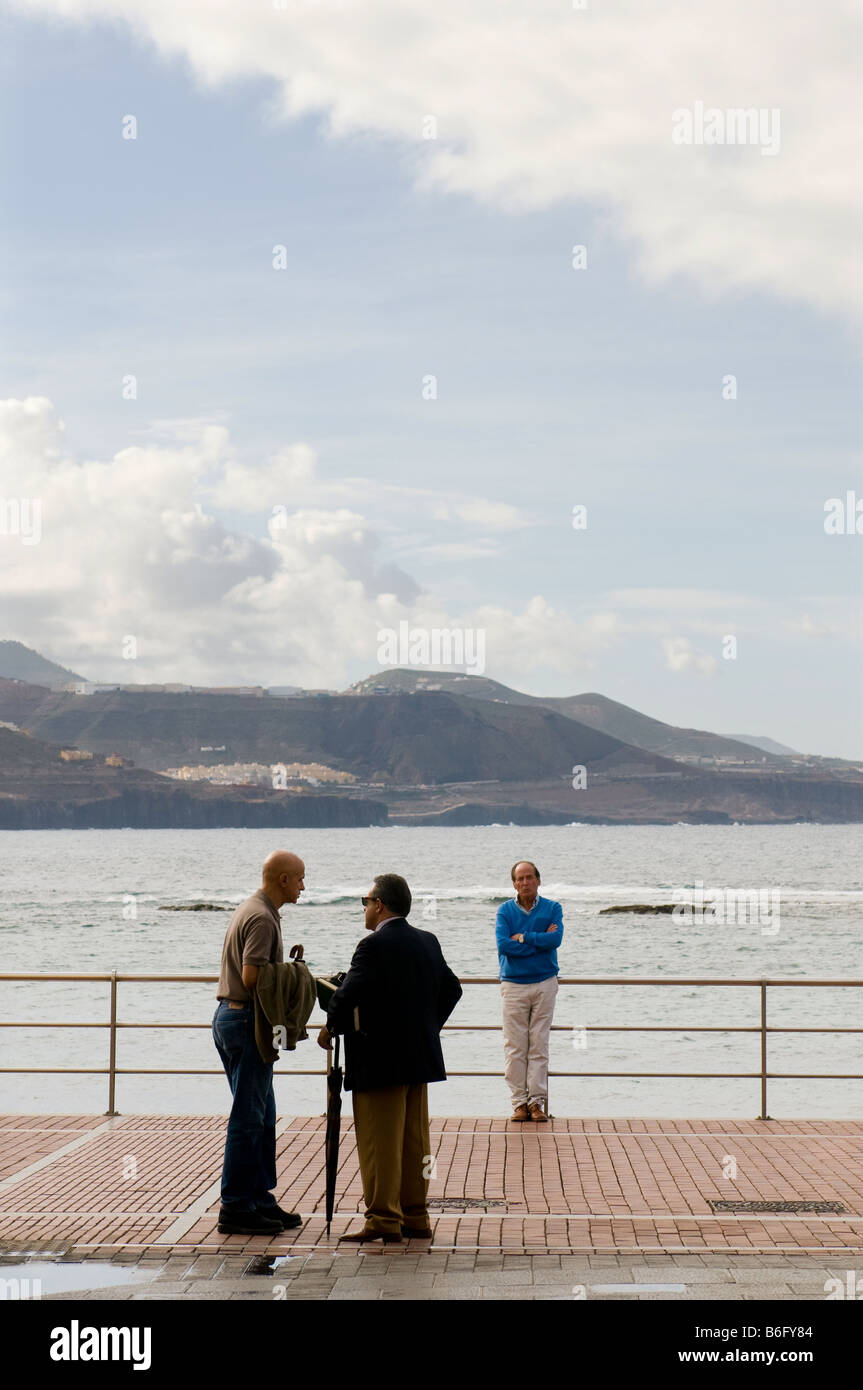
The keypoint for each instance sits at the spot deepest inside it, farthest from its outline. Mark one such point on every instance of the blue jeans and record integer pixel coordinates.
(249, 1169)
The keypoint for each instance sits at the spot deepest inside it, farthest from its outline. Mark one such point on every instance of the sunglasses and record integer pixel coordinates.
(365, 901)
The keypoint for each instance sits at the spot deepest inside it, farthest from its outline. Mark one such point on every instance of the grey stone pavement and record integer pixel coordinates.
(436, 1275)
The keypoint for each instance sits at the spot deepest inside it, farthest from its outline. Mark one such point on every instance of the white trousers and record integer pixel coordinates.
(527, 1015)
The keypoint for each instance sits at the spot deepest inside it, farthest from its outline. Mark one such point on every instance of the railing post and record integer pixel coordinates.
(764, 1115)
(112, 1047)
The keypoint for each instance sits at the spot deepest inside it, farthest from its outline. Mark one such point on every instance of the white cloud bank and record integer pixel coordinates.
(230, 573)
(134, 546)
(539, 103)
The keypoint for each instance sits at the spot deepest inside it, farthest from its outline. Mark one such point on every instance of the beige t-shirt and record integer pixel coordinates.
(254, 937)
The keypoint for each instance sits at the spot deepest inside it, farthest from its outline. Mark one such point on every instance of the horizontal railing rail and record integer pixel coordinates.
(114, 1024)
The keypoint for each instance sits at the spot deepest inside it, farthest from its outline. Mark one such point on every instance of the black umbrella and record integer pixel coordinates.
(334, 1120)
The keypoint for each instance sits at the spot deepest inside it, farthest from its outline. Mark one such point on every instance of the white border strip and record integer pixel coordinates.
(202, 1204)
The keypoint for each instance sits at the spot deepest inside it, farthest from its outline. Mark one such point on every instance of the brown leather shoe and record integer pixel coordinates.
(520, 1113)
(538, 1114)
(362, 1236)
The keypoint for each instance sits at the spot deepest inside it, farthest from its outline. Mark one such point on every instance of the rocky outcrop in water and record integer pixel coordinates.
(195, 907)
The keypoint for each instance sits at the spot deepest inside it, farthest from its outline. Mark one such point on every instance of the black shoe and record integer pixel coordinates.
(289, 1219)
(247, 1223)
(362, 1236)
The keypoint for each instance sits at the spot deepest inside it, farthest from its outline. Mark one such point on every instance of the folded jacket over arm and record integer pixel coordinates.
(285, 995)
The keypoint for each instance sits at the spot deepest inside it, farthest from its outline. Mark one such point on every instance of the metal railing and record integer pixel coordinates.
(113, 1023)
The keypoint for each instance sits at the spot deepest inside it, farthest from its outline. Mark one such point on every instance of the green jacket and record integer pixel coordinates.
(284, 998)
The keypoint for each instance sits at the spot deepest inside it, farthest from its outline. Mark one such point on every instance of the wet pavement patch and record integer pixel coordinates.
(270, 1264)
(34, 1278)
(638, 1288)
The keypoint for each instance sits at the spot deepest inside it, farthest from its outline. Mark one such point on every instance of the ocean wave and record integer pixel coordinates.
(575, 893)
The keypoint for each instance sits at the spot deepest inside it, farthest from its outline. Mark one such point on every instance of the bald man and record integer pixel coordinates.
(253, 939)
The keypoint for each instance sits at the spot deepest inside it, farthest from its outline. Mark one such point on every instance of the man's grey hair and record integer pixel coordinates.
(522, 861)
(393, 892)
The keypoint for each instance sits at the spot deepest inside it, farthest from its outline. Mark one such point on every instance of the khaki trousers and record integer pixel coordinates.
(394, 1148)
(527, 1015)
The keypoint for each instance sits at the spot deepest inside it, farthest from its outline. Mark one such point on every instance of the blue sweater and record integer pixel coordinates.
(535, 959)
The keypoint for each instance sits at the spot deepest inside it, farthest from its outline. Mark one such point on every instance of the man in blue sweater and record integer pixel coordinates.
(529, 930)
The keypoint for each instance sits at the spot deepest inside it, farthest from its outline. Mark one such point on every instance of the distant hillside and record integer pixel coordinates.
(408, 681)
(21, 663)
(420, 739)
(768, 745)
(667, 739)
(620, 721)
(18, 701)
(437, 758)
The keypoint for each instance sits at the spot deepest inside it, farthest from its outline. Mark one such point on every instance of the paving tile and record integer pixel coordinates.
(551, 1276)
(473, 1295)
(204, 1266)
(354, 1295)
(525, 1294)
(773, 1275)
(87, 1294)
(215, 1292)
(154, 1295)
(788, 1297)
(399, 1281)
(714, 1291)
(647, 1181)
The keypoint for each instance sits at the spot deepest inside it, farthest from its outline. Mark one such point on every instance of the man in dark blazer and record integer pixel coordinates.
(390, 1008)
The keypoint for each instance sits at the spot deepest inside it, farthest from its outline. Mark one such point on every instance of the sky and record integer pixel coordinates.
(313, 355)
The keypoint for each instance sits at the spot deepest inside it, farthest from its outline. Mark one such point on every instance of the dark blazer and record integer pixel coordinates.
(403, 992)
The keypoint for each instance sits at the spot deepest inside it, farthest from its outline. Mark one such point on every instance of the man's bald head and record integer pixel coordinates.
(282, 877)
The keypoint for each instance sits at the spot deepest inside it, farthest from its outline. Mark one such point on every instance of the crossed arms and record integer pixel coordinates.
(528, 942)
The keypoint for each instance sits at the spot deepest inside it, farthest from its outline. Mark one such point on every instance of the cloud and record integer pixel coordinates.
(447, 551)
(290, 478)
(284, 479)
(839, 618)
(536, 105)
(29, 431)
(134, 546)
(680, 655)
(682, 600)
(491, 516)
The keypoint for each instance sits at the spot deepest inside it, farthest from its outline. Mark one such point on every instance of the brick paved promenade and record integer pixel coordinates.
(148, 1185)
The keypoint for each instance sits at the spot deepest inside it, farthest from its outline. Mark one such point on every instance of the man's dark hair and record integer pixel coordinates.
(522, 861)
(393, 892)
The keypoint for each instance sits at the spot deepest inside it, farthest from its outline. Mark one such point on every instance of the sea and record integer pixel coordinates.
(89, 902)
